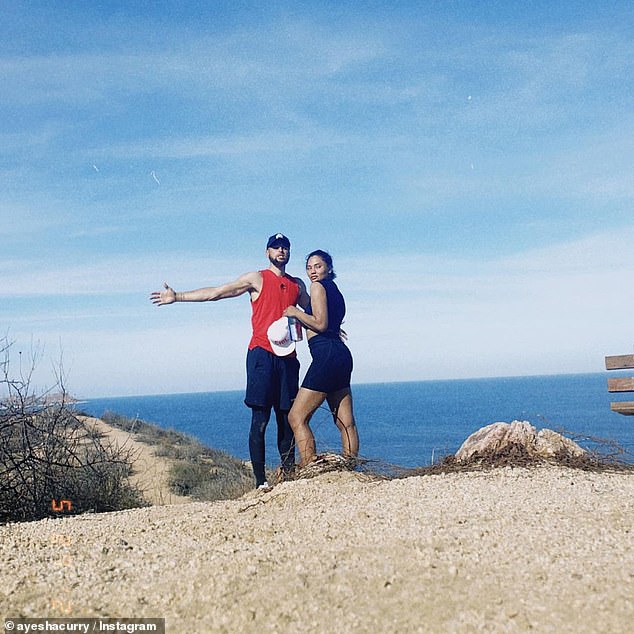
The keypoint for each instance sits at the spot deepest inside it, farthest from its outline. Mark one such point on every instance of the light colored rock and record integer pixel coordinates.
(549, 443)
(486, 438)
(501, 438)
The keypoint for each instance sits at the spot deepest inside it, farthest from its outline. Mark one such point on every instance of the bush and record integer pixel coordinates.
(212, 475)
(49, 461)
(199, 471)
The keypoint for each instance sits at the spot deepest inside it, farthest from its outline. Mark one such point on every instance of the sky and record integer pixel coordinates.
(469, 166)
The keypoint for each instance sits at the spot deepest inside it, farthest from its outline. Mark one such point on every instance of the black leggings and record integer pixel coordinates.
(285, 441)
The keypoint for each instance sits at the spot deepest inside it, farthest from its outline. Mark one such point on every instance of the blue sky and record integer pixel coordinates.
(470, 168)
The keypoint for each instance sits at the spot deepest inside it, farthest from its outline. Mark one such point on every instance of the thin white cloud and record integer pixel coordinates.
(114, 276)
(22, 218)
(596, 256)
(260, 60)
(560, 309)
(592, 256)
(238, 145)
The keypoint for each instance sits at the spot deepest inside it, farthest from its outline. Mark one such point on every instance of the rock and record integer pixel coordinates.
(550, 443)
(518, 438)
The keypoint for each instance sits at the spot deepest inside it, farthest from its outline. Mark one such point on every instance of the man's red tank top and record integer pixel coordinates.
(277, 294)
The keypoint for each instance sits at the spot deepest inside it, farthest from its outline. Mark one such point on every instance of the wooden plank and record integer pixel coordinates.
(621, 385)
(619, 362)
(624, 407)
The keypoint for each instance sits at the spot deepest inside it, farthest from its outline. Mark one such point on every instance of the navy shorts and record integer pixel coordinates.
(271, 381)
(331, 367)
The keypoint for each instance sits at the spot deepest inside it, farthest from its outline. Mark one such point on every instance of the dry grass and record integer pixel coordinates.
(198, 471)
(607, 456)
(609, 460)
(47, 455)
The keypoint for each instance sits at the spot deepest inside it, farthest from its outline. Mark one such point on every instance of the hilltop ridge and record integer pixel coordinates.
(545, 548)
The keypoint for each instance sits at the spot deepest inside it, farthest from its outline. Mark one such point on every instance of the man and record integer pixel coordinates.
(272, 381)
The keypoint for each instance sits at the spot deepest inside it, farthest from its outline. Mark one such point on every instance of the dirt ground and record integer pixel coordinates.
(150, 471)
(544, 549)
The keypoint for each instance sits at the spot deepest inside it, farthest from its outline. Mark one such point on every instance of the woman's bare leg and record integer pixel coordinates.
(304, 406)
(340, 404)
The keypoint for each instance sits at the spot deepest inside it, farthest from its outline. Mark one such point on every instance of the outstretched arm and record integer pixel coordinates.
(250, 282)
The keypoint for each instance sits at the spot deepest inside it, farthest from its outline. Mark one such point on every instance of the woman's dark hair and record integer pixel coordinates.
(326, 257)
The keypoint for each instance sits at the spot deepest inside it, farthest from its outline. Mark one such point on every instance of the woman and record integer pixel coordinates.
(328, 376)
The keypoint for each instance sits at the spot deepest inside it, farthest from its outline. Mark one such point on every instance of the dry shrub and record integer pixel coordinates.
(199, 471)
(47, 455)
(516, 455)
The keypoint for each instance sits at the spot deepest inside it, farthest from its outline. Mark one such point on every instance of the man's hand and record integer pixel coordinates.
(162, 298)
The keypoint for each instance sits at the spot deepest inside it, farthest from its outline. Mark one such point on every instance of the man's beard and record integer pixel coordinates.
(275, 260)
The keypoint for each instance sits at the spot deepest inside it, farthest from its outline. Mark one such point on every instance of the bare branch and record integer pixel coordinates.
(47, 454)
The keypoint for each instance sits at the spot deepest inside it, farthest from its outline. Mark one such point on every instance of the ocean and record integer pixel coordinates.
(405, 424)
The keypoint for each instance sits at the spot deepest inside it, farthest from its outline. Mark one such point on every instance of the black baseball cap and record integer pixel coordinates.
(278, 240)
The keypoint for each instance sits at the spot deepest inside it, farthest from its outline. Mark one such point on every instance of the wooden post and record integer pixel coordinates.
(620, 362)
(626, 384)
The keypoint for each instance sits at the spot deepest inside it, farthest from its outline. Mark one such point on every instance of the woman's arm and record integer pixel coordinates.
(318, 321)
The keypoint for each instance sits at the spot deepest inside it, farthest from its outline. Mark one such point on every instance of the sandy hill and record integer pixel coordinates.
(150, 470)
(546, 549)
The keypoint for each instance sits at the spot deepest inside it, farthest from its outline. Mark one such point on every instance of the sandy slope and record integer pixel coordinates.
(150, 473)
(513, 550)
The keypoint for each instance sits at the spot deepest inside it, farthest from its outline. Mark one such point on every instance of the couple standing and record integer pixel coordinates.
(272, 380)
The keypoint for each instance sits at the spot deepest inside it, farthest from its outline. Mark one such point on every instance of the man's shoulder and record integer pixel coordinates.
(297, 280)
(253, 278)
(301, 287)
